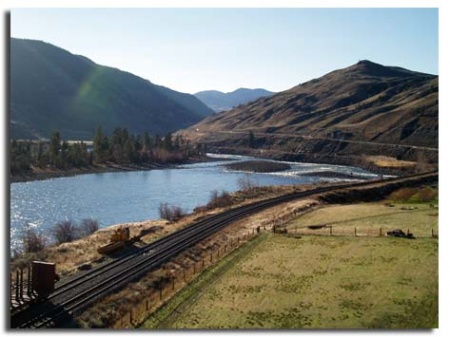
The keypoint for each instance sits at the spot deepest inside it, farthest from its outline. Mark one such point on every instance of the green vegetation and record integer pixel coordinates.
(76, 95)
(120, 148)
(326, 282)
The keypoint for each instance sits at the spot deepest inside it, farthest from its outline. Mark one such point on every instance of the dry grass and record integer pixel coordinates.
(389, 162)
(420, 219)
(320, 282)
(326, 282)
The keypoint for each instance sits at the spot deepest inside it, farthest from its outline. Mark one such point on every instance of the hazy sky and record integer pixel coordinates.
(194, 49)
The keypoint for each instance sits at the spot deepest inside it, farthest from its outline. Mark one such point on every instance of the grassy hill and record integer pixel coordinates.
(337, 114)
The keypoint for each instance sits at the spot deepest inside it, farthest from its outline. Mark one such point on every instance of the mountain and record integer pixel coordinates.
(366, 104)
(52, 89)
(219, 101)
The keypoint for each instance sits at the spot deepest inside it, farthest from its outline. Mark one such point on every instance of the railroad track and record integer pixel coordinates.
(78, 293)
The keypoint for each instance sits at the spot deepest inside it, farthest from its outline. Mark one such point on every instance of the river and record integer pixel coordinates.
(120, 197)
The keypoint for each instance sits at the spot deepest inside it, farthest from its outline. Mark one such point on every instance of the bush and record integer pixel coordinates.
(427, 194)
(246, 183)
(89, 226)
(415, 195)
(223, 199)
(65, 231)
(403, 194)
(171, 213)
(32, 241)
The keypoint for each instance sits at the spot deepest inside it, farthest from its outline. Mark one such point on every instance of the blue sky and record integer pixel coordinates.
(194, 49)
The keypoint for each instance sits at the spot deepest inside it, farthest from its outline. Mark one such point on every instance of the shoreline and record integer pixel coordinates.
(52, 173)
(355, 161)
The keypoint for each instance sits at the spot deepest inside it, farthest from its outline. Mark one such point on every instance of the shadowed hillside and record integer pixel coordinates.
(52, 89)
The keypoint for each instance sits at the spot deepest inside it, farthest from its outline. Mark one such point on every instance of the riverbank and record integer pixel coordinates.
(49, 173)
(381, 165)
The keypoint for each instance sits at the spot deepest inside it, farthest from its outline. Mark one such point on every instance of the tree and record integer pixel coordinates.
(147, 142)
(20, 156)
(101, 146)
(168, 143)
(55, 146)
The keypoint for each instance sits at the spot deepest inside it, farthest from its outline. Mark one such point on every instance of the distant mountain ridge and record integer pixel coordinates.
(219, 101)
(52, 89)
(366, 103)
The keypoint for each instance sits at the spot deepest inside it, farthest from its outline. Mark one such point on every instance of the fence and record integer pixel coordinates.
(329, 230)
(21, 291)
(178, 280)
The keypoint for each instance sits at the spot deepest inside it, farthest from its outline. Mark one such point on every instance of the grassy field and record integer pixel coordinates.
(327, 282)
(420, 219)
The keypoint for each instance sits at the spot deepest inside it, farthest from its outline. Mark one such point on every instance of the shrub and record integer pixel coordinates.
(65, 231)
(171, 213)
(246, 183)
(223, 199)
(89, 226)
(32, 241)
(403, 194)
(427, 194)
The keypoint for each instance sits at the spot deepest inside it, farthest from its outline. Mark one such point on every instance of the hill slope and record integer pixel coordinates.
(366, 102)
(219, 101)
(54, 89)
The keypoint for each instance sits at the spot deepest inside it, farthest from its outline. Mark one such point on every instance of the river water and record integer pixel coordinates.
(113, 198)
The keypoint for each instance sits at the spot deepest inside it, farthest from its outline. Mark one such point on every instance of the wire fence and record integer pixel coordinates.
(179, 279)
(329, 230)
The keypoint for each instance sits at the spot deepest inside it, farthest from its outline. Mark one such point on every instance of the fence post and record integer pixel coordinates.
(432, 233)
(381, 232)
(331, 230)
(21, 283)
(17, 284)
(29, 281)
(355, 231)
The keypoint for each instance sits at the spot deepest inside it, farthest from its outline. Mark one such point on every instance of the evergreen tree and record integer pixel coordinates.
(55, 146)
(101, 146)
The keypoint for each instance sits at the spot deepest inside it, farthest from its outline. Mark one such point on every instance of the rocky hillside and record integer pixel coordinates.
(219, 101)
(52, 89)
(366, 108)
